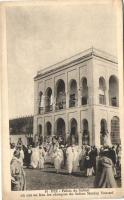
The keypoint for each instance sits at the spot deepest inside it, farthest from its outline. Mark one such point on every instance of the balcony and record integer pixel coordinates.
(114, 101)
(102, 99)
(60, 105)
(84, 101)
(40, 110)
(48, 108)
(72, 101)
(85, 137)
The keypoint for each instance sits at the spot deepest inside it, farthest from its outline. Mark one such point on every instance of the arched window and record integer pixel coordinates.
(60, 129)
(85, 136)
(40, 134)
(39, 129)
(103, 130)
(48, 128)
(48, 100)
(41, 102)
(113, 91)
(84, 91)
(102, 88)
(60, 95)
(73, 93)
(115, 130)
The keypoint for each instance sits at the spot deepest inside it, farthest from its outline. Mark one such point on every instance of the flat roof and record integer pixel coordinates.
(80, 56)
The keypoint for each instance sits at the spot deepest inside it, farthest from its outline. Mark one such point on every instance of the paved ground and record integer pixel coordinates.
(47, 178)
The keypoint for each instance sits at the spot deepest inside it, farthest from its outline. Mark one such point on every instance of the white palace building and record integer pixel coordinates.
(79, 97)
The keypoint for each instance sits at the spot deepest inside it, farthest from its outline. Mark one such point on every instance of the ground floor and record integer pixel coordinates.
(88, 123)
(47, 178)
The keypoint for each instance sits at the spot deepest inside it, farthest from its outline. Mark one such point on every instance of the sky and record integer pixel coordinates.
(40, 36)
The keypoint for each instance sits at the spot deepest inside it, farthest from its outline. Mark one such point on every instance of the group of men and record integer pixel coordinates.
(70, 157)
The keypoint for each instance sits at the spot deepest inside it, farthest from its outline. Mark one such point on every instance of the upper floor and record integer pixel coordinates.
(86, 79)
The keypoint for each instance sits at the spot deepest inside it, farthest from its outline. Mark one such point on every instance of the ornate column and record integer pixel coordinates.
(54, 95)
(53, 126)
(67, 90)
(107, 91)
(78, 88)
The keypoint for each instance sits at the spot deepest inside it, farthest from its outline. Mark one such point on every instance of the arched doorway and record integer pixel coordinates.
(73, 93)
(103, 130)
(48, 129)
(73, 130)
(40, 136)
(115, 130)
(39, 129)
(60, 95)
(85, 136)
(113, 91)
(60, 129)
(102, 88)
(48, 100)
(84, 91)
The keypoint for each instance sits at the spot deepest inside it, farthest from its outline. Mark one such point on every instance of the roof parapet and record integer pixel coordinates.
(88, 52)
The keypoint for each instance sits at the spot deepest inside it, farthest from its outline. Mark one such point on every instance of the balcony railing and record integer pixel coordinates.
(85, 138)
(60, 105)
(115, 137)
(84, 100)
(40, 110)
(49, 108)
(72, 103)
(102, 99)
(114, 101)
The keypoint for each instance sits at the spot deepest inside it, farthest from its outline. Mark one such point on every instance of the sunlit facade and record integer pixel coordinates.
(79, 97)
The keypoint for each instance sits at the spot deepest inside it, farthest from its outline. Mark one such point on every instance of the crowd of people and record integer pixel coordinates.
(104, 163)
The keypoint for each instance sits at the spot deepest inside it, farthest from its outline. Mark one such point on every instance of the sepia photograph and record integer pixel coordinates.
(64, 99)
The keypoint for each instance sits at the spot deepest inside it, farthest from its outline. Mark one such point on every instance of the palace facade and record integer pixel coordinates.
(79, 97)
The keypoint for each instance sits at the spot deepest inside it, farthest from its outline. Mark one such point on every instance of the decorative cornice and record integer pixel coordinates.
(76, 59)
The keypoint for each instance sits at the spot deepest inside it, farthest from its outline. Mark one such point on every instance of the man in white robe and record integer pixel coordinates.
(35, 157)
(72, 154)
(42, 154)
(58, 158)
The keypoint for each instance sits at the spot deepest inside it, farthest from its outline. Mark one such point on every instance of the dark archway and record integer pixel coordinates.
(40, 134)
(48, 129)
(103, 130)
(113, 91)
(85, 136)
(60, 129)
(39, 129)
(73, 131)
(115, 130)
(48, 100)
(84, 91)
(60, 95)
(73, 93)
